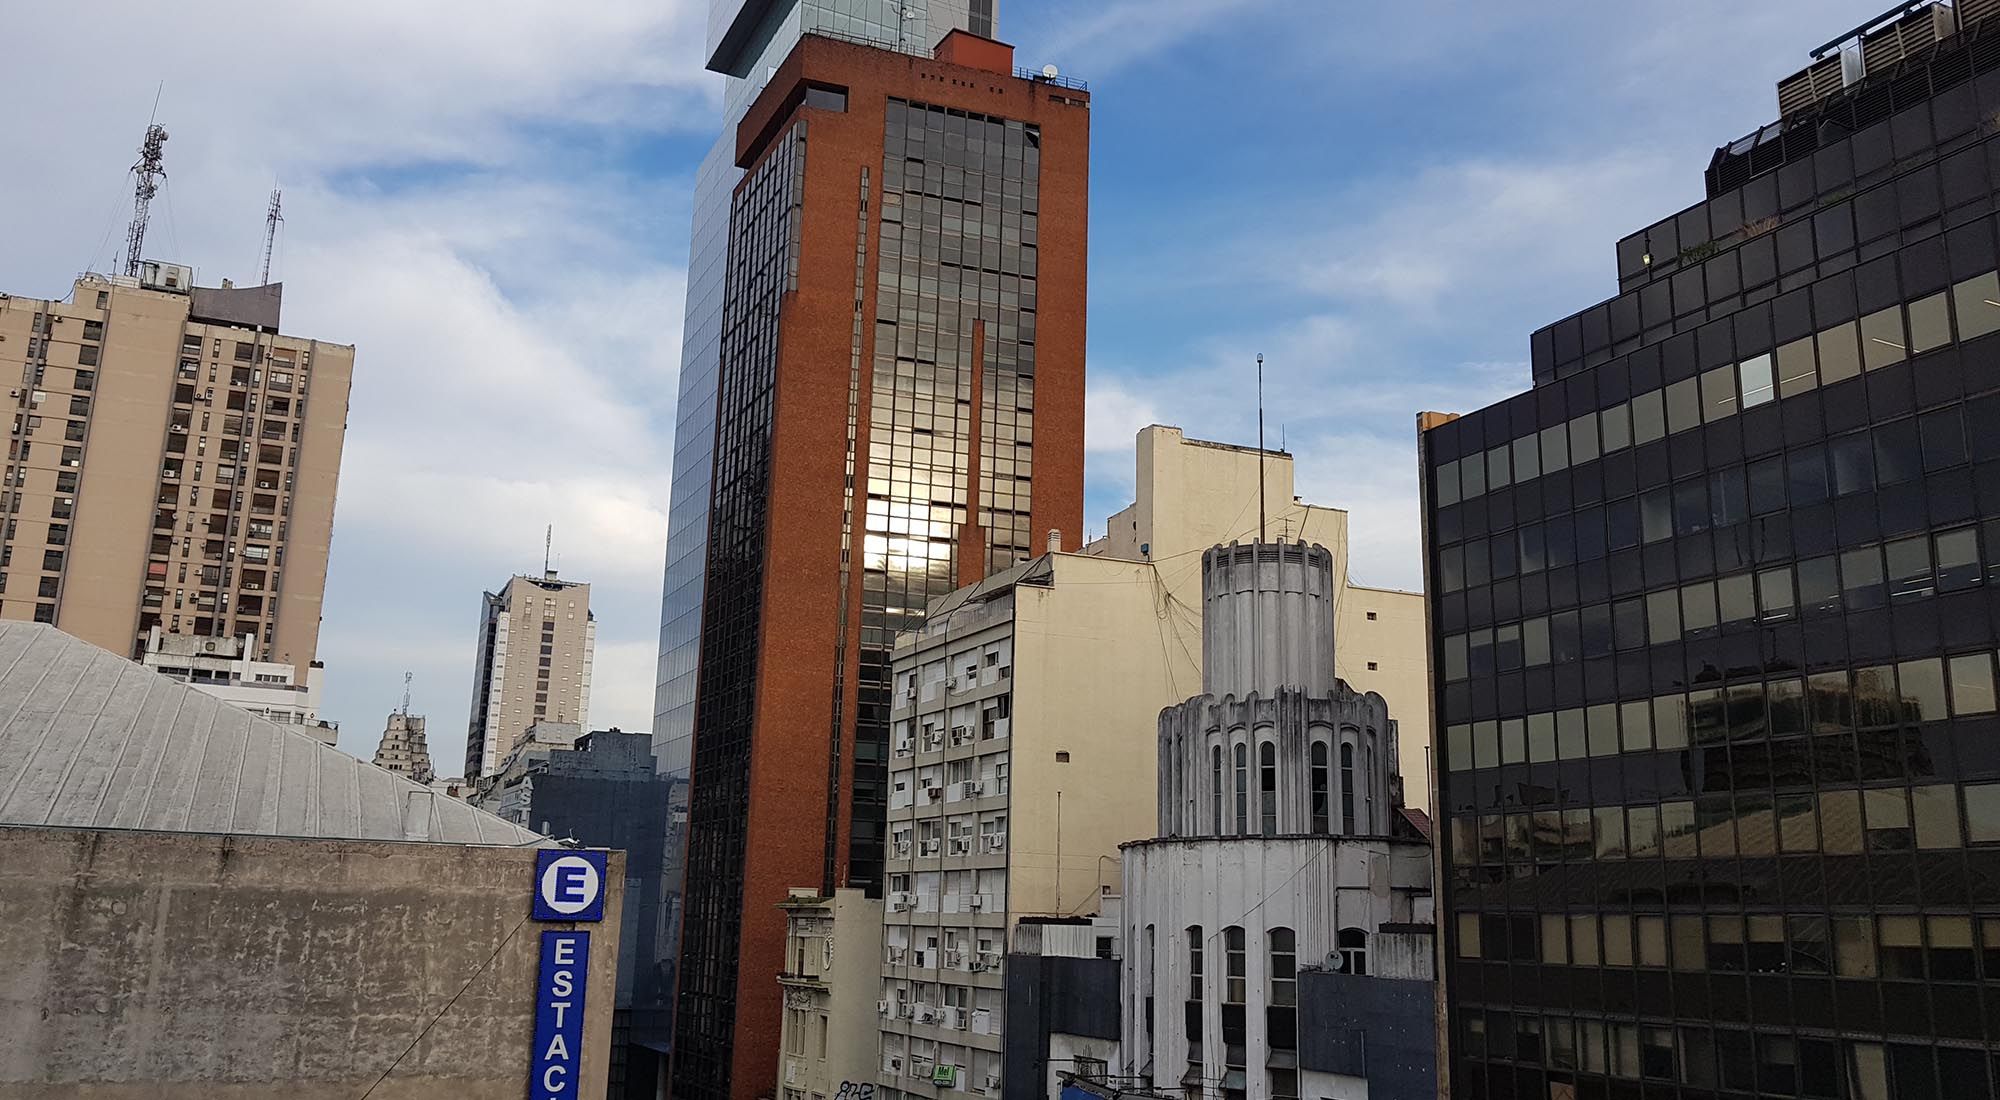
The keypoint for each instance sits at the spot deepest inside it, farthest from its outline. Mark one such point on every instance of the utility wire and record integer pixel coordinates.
(447, 1008)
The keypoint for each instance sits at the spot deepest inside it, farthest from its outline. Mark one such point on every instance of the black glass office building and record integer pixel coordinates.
(1714, 613)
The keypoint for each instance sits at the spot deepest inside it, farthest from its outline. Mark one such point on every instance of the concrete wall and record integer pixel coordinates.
(171, 965)
(1096, 658)
(1049, 995)
(1365, 1036)
(1192, 494)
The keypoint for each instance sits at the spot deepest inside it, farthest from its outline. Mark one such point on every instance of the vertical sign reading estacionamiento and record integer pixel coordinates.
(559, 1015)
(569, 886)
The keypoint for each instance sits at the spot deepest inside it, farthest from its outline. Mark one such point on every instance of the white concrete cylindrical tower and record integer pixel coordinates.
(1267, 619)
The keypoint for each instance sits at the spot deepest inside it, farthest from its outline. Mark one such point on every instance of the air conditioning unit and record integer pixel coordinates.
(900, 902)
(928, 847)
(954, 1018)
(975, 902)
(906, 746)
(921, 1067)
(993, 842)
(910, 691)
(927, 1014)
(971, 788)
(898, 954)
(906, 1010)
(961, 846)
(954, 957)
(902, 849)
(990, 959)
(935, 793)
(885, 1007)
(992, 1081)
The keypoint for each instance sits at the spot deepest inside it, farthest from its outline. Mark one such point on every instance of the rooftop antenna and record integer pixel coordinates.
(271, 219)
(548, 544)
(406, 694)
(148, 173)
(1260, 446)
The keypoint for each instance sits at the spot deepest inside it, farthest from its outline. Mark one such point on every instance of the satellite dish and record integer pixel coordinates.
(1050, 72)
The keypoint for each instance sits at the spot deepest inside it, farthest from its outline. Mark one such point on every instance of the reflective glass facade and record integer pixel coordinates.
(779, 27)
(876, 441)
(1714, 617)
(763, 266)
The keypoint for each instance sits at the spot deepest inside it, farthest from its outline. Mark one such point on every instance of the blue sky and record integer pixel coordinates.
(490, 199)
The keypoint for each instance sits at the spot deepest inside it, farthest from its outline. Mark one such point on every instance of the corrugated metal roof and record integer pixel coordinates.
(89, 739)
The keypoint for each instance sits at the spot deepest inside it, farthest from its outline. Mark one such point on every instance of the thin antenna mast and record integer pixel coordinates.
(271, 219)
(148, 173)
(406, 694)
(548, 544)
(1260, 446)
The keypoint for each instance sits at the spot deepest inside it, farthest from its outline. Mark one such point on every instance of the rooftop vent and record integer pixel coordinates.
(1875, 47)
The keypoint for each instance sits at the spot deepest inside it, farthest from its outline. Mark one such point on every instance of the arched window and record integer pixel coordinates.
(1267, 768)
(1352, 947)
(1193, 1007)
(1215, 789)
(1242, 789)
(1320, 810)
(1233, 990)
(1194, 962)
(1347, 789)
(1281, 1014)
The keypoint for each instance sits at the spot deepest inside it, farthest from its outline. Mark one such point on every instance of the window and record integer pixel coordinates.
(1320, 817)
(1281, 1023)
(1267, 769)
(1351, 944)
(1194, 962)
(1347, 789)
(1215, 787)
(1234, 989)
(1242, 789)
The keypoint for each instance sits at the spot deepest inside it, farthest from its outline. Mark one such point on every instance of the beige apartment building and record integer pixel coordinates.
(536, 641)
(1193, 494)
(172, 464)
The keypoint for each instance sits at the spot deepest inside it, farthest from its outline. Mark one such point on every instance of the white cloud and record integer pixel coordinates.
(473, 199)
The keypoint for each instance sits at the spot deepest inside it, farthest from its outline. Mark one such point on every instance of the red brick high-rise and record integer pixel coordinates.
(899, 412)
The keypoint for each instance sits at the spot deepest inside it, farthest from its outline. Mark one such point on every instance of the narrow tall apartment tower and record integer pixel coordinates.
(171, 463)
(536, 641)
(899, 412)
(1714, 608)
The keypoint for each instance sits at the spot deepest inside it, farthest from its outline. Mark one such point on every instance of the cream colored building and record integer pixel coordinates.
(1021, 756)
(827, 1039)
(172, 463)
(1193, 494)
(537, 638)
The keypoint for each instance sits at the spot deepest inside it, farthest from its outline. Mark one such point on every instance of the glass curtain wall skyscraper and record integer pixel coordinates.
(1714, 612)
(746, 41)
(899, 411)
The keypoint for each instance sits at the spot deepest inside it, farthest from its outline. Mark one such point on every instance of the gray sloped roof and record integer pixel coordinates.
(89, 739)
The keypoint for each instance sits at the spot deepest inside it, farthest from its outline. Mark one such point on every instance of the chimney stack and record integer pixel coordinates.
(1055, 540)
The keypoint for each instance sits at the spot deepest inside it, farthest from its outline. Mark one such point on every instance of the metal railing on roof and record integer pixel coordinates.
(1041, 77)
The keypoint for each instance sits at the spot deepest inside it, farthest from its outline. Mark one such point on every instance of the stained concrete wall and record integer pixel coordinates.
(171, 965)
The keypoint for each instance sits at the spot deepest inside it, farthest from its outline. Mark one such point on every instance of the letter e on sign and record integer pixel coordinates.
(569, 885)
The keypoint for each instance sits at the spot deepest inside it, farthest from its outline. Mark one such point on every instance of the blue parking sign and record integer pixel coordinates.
(569, 885)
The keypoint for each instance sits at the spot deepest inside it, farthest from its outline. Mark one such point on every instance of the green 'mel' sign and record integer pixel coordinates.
(945, 1075)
